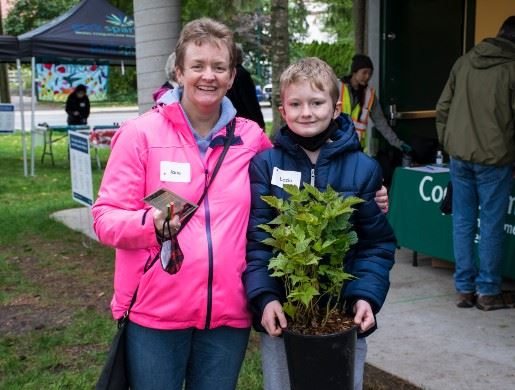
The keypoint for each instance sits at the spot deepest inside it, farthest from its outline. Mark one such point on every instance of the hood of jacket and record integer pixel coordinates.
(344, 139)
(492, 52)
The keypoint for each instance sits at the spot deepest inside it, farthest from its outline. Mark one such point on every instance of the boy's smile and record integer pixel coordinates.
(306, 110)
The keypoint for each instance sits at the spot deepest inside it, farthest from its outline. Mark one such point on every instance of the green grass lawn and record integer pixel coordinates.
(55, 285)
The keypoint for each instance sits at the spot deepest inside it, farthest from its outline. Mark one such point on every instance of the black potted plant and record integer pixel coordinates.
(310, 237)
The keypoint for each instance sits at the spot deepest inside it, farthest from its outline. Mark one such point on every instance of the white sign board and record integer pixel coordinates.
(6, 118)
(80, 168)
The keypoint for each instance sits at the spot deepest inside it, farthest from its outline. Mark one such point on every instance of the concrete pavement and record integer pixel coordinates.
(423, 340)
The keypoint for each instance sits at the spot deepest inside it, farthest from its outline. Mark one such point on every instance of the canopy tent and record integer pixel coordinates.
(10, 52)
(92, 31)
(9, 48)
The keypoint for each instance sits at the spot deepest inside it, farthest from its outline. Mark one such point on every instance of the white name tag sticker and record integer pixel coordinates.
(280, 177)
(175, 172)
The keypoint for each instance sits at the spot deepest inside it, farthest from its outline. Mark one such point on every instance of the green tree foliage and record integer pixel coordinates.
(338, 54)
(126, 6)
(338, 20)
(122, 88)
(26, 15)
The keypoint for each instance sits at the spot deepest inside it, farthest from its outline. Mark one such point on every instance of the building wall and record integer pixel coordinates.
(158, 24)
(489, 16)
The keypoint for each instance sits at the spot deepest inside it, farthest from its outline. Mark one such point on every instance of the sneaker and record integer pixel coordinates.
(503, 300)
(466, 300)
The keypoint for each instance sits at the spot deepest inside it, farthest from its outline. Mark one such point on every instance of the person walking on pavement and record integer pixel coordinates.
(77, 106)
(475, 124)
(242, 94)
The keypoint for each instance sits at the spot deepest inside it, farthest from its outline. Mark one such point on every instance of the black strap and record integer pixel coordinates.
(230, 135)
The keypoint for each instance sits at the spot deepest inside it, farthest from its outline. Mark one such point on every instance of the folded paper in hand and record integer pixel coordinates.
(163, 197)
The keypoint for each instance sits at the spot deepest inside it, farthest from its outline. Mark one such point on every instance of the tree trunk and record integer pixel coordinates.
(158, 25)
(280, 53)
(5, 96)
(358, 17)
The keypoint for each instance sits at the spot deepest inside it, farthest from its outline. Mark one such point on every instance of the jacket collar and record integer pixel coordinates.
(173, 111)
(344, 140)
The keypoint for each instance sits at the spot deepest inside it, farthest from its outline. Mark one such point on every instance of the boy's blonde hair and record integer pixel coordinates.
(205, 30)
(320, 75)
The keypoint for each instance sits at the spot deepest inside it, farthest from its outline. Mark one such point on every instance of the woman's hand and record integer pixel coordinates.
(382, 199)
(274, 320)
(159, 223)
(364, 316)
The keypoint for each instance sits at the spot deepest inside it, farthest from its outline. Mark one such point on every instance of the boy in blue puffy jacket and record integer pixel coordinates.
(318, 146)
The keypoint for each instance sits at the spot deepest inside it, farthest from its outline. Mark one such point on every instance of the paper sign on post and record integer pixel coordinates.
(80, 168)
(162, 198)
(7, 118)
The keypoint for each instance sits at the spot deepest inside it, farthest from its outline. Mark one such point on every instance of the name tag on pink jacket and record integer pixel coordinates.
(175, 172)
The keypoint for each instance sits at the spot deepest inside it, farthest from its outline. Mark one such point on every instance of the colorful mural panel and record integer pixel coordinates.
(57, 81)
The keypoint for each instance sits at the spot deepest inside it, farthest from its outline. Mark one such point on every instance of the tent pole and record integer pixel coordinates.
(33, 116)
(22, 113)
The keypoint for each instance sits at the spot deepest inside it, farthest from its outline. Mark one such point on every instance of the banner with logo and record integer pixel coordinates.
(57, 81)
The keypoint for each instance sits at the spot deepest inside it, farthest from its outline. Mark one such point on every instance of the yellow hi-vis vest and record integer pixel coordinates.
(360, 123)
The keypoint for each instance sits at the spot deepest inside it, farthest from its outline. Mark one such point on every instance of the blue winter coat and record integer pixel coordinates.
(342, 165)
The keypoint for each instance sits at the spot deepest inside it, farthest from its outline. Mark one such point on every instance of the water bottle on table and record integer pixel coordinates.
(439, 158)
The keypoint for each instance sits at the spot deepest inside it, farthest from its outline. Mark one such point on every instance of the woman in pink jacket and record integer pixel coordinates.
(190, 324)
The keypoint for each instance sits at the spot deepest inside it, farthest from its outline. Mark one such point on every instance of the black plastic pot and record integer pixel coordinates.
(321, 362)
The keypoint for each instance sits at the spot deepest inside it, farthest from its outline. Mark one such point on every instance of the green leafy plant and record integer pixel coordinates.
(310, 237)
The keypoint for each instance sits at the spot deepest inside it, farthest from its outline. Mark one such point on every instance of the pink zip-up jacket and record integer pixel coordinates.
(207, 292)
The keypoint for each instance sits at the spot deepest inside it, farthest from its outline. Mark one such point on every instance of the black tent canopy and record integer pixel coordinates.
(9, 49)
(92, 30)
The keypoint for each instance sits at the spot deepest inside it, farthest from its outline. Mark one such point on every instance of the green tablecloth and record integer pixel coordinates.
(415, 216)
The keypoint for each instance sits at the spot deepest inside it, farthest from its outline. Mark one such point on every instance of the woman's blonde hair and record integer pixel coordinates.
(201, 31)
(319, 74)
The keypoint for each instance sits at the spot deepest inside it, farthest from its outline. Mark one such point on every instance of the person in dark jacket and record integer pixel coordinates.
(243, 93)
(77, 106)
(322, 147)
(475, 121)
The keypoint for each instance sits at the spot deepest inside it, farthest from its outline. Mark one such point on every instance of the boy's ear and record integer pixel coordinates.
(283, 113)
(337, 109)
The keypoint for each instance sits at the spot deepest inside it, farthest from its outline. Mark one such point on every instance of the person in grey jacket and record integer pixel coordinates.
(475, 124)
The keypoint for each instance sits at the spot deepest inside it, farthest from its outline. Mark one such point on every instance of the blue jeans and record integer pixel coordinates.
(165, 359)
(487, 187)
(275, 365)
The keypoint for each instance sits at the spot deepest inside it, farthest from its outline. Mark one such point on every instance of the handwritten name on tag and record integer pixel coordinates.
(280, 177)
(175, 172)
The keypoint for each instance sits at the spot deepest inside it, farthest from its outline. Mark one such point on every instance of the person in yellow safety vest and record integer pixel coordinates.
(359, 101)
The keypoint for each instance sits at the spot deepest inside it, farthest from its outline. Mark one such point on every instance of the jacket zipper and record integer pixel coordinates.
(210, 257)
(312, 175)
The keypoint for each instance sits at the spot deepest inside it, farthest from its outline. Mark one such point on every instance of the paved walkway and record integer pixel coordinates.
(422, 337)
